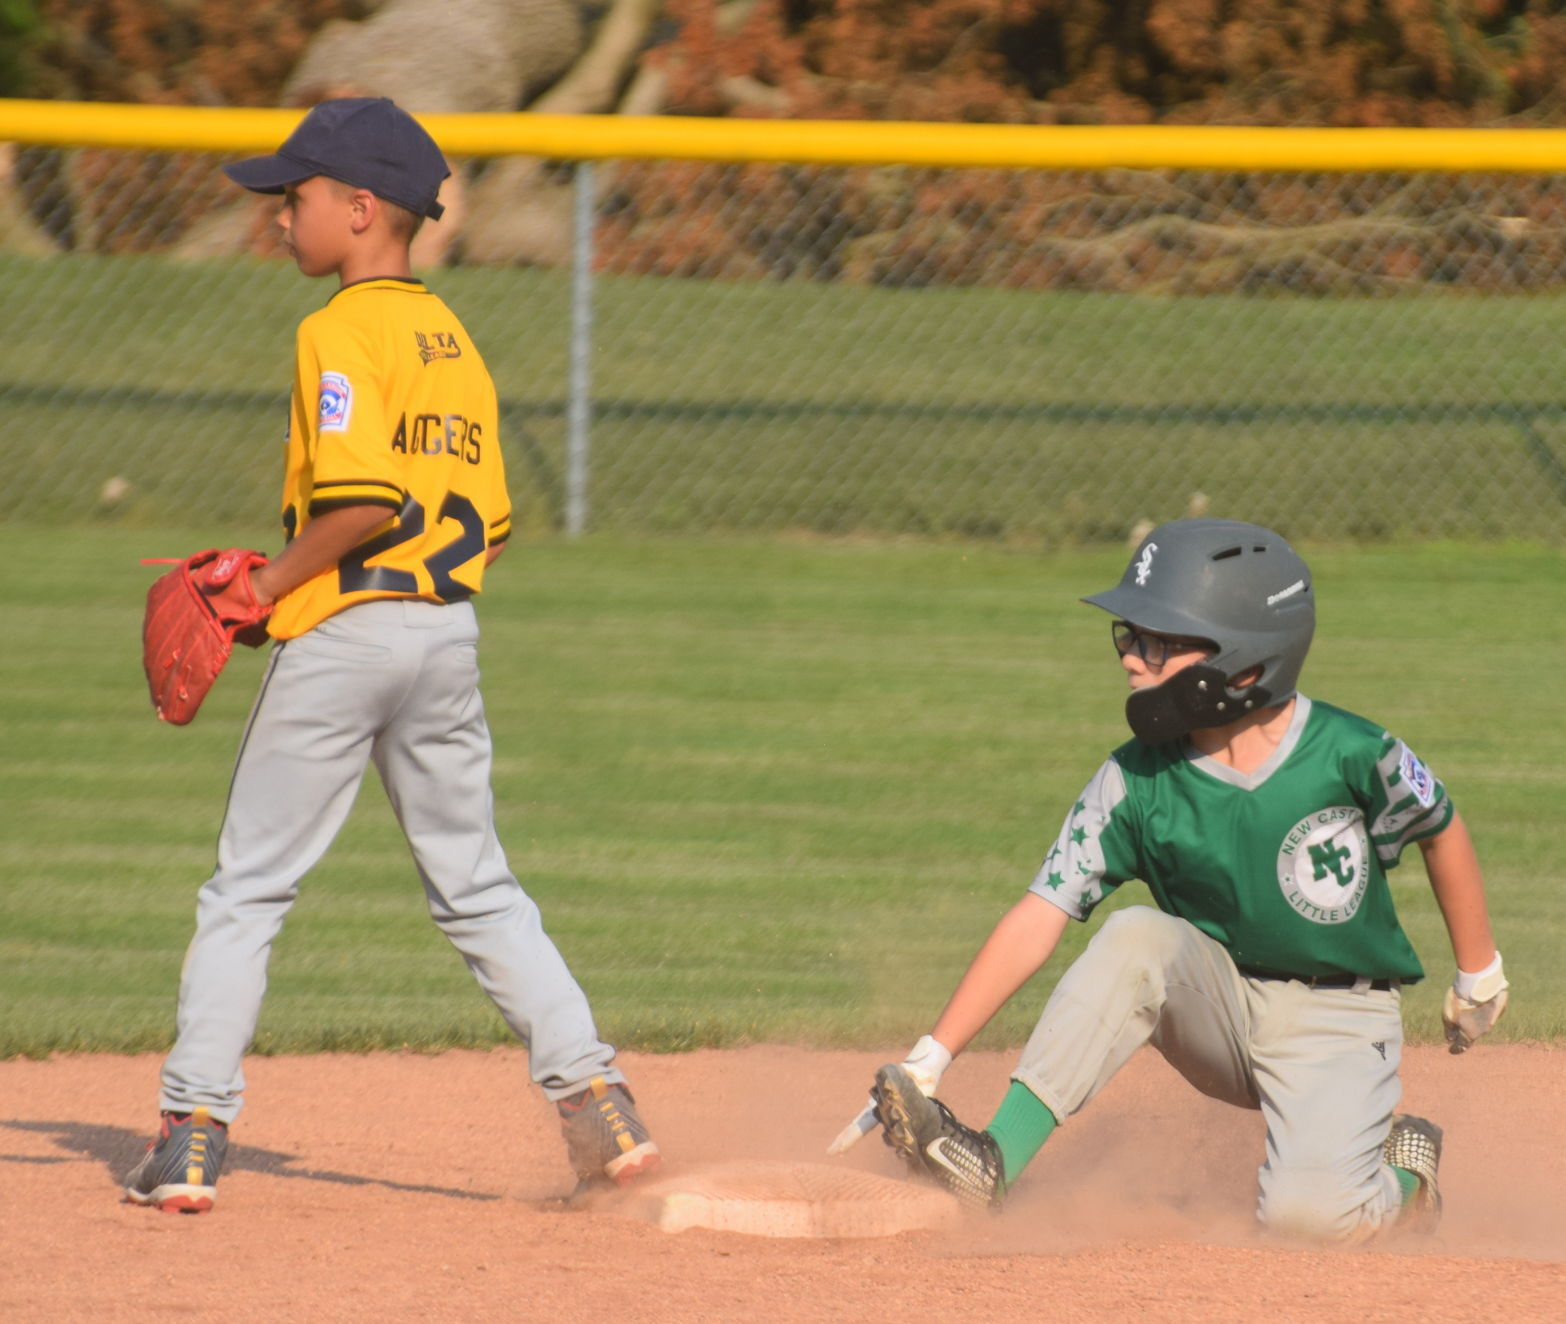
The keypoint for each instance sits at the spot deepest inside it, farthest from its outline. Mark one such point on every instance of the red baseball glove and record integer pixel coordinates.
(195, 612)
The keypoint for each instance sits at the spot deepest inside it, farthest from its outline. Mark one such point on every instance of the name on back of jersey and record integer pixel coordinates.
(438, 434)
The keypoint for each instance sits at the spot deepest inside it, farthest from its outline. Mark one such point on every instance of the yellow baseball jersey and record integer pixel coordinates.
(392, 406)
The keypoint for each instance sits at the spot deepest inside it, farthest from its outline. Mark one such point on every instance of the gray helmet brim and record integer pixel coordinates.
(1159, 617)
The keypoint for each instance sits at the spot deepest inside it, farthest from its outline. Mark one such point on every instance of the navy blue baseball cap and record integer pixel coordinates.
(366, 142)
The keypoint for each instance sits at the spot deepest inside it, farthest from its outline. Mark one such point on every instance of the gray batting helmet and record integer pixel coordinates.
(1239, 587)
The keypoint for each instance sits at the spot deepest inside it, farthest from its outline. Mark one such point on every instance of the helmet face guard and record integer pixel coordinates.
(1198, 696)
(1238, 587)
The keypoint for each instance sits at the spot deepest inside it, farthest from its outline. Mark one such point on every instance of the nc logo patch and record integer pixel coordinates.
(1144, 565)
(335, 403)
(1324, 865)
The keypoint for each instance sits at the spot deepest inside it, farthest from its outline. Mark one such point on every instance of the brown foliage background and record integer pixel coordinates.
(1329, 62)
(162, 52)
(1326, 62)
(1333, 62)
(1338, 63)
(177, 52)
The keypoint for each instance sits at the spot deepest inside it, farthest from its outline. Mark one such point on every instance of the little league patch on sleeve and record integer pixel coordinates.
(1418, 777)
(335, 404)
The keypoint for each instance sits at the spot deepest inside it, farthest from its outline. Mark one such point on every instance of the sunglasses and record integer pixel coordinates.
(1154, 649)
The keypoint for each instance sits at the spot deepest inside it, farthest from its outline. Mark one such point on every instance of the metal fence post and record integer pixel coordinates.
(579, 404)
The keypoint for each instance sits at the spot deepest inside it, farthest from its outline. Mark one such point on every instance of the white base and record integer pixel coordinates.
(768, 1198)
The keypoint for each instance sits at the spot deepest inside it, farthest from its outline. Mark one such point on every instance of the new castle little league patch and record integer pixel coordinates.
(335, 403)
(1324, 865)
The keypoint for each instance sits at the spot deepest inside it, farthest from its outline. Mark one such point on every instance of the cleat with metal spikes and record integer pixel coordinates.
(926, 1134)
(1414, 1145)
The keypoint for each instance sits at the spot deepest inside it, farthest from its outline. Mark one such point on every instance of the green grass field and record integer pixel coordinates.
(763, 791)
(1040, 419)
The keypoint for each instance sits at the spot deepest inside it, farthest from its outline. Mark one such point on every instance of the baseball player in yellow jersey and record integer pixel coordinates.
(394, 504)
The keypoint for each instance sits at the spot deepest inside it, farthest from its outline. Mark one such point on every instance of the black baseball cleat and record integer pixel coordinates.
(179, 1172)
(935, 1144)
(1414, 1145)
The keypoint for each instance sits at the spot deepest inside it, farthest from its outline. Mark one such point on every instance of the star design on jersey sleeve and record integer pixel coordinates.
(1073, 870)
(1079, 842)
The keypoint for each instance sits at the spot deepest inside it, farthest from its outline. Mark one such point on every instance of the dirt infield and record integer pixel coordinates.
(397, 1186)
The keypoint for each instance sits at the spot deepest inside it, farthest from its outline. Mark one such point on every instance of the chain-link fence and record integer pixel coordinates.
(1024, 355)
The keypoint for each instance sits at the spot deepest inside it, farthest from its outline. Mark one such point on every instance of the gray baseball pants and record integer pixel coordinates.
(1320, 1063)
(395, 682)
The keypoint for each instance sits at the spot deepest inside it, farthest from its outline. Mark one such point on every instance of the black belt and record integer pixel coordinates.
(1320, 981)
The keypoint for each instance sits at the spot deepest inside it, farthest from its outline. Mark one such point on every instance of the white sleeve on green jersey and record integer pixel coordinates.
(1077, 874)
(1409, 803)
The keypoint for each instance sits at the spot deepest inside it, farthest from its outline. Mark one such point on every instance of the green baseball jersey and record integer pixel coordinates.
(1285, 866)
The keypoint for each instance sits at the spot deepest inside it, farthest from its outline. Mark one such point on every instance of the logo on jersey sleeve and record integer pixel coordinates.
(335, 404)
(1418, 777)
(1324, 865)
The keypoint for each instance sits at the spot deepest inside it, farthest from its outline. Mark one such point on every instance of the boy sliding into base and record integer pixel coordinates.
(394, 503)
(1269, 974)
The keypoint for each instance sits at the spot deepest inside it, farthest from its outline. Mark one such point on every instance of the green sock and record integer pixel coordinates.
(1022, 1124)
(1407, 1183)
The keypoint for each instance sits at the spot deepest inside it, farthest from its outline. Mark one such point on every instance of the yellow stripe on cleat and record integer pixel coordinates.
(200, 1118)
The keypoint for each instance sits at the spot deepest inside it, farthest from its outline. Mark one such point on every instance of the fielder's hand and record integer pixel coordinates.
(926, 1063)
(1473, 1005)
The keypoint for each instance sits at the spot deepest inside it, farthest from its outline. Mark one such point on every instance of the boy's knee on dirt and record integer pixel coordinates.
(1318, 1204)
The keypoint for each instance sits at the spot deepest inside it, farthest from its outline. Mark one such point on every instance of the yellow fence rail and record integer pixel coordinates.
(826, 142)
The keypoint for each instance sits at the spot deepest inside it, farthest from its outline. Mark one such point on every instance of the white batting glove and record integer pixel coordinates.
(1473, 1005)
(926, 1063)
